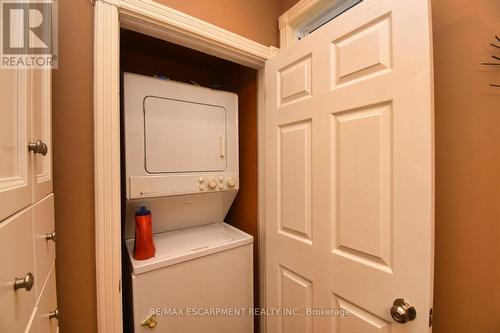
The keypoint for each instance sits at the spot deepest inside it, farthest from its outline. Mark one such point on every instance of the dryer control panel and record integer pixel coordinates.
(151, 186)
(216, 183)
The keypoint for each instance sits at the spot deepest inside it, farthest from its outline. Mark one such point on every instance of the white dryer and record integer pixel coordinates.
(181, 161)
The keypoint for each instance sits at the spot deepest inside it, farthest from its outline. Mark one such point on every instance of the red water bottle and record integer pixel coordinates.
(144, 248)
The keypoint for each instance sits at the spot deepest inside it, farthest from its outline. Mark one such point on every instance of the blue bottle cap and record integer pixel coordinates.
(143, 211)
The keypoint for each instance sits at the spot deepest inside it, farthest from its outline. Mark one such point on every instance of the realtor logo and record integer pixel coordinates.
(29, 38)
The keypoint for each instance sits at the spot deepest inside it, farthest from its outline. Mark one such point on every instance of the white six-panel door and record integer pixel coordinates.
(349, 172)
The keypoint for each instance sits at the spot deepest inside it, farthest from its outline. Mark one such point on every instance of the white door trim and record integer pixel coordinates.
(157, 20)
(297, 15)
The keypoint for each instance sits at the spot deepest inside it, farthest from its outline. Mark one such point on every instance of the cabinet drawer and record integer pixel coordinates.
(43, 225)
(16, 256)
(42, 322)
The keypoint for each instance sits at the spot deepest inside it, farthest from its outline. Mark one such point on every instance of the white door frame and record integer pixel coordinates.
(159, 21)
(293, 18)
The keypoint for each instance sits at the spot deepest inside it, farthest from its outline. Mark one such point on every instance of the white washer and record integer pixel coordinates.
(196, 274)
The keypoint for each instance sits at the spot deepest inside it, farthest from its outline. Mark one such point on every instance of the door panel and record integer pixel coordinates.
(294, 81)
(296, 294)
(364, 52)
(349, 170)
(358, 320)
(294, 203)
(15, 179)
(41, 130)
(361, 149)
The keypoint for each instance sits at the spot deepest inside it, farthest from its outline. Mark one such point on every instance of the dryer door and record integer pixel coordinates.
(183, 136)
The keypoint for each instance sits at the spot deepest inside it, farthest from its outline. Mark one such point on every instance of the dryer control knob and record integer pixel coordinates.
(231, 182)
(212, 183)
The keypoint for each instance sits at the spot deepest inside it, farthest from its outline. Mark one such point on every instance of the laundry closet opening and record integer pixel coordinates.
(150, 57)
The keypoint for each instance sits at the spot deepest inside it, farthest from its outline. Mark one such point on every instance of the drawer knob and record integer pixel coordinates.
(38, 147)
(54, 314)
(51, 236)
(24, 282)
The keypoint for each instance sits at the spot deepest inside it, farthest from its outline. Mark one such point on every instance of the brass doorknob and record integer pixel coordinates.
(402, 311)
(24, 282)
(38, 147)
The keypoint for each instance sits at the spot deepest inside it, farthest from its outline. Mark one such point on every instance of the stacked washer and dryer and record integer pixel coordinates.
(181, 162)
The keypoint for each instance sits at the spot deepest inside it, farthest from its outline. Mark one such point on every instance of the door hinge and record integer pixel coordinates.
(430, 317)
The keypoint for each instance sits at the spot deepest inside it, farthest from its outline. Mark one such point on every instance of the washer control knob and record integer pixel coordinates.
(211, 183)
(231, 182)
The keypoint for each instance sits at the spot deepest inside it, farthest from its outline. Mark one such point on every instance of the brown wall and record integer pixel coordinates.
(73, 168)
(254, 19)
(244, 210)
(467, 259)
(284, 5)
(72, 123)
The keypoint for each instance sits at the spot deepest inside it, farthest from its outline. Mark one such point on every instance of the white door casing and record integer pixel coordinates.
(349, 171)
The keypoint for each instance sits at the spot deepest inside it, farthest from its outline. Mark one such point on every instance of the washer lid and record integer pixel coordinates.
(177, 246)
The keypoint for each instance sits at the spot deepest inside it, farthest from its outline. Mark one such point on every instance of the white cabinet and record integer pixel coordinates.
(27, 235)
(16, 256)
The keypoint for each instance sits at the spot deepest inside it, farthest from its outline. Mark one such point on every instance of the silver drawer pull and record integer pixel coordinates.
(24, 282)
(38, 147)
(54, 314)
(52, 236)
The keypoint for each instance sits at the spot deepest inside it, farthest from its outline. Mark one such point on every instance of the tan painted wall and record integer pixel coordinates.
(73, 124)
(73, 168)
(467, 261)
(254, 19)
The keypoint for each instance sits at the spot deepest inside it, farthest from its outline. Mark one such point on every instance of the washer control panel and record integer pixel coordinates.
(216, 183)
